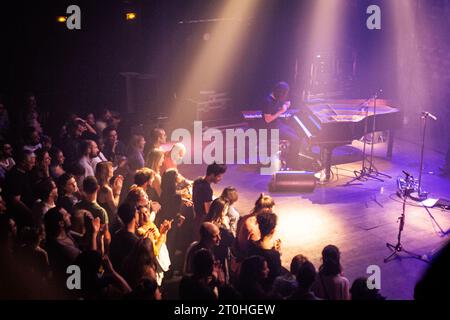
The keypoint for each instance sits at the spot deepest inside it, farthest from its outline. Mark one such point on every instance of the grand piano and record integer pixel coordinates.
(332, 123)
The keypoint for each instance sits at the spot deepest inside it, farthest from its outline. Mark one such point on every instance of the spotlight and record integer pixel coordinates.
(130, 15)
(61, 19)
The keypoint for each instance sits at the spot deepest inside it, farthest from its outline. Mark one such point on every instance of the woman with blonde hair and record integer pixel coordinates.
(230, 194)
(154, 161)
(148, 229)
(109, 192)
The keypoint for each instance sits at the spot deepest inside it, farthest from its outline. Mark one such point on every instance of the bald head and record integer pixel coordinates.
(209, 234)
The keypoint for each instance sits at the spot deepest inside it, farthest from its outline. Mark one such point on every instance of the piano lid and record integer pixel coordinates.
(348, 110)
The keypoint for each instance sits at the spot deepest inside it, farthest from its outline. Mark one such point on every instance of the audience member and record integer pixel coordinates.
(247, 227)
(147, 289)
(41, 170)
(218, 216)
(110, 285)
(157, 138)
(209, 239)
(31, 139)
(71, 142)
(140, 263)
(6, 160)
(18, 193)
(286, 284)
(124, 240)
(267, 246)
(31, 115)
(68, 192)
(100, 157)
(108, 195)
(33, 257)
(173, 157)
(57, 161)
(202, 284)
(60, 245)
(135, 154)
(252, 278)
(47, 195)
(306, 276)
(202, 193)
(89, 201)
(88, 151)
(154, 161)
(148, 229)
(114, 149)
(47, 142)
(360, 291)
(330, 284)
(230, 194)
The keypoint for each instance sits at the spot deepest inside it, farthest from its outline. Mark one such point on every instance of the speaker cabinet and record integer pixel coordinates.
(293, 181)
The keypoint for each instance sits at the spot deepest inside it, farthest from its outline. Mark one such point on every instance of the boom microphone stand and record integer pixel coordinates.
(397, 248)
(421, 195)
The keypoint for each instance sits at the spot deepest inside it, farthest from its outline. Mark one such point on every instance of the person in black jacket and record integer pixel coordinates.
(267, 246)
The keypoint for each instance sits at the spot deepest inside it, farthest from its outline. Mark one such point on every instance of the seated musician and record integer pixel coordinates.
(274, 105)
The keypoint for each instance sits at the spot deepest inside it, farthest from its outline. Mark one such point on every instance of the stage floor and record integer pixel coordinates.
(359, 219)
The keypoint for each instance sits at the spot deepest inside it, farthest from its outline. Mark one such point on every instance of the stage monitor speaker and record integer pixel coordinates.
(293, 181)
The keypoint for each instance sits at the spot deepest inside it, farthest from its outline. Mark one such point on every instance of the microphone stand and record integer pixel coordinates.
(420, 195)
(398, 247)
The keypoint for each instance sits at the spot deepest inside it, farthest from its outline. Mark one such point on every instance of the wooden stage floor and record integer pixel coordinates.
(359, 219)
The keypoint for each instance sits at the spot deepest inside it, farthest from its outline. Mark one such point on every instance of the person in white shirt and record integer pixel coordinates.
(32, 139)
(88, 151)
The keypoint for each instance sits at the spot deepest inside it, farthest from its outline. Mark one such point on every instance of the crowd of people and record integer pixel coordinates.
(130, 221)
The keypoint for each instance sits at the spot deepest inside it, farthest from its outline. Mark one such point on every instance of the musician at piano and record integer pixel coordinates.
(275, 105)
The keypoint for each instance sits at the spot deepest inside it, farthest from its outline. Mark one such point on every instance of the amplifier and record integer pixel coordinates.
(293, 181)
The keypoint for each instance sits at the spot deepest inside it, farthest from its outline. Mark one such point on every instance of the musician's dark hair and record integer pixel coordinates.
(280, 88)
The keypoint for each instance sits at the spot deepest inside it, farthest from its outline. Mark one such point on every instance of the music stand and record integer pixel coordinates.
(370, 172)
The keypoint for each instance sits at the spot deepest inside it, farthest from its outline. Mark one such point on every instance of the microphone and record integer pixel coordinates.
(363, 106)
(428, 114)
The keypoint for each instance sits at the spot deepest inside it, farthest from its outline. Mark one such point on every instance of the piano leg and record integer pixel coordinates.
(325, 156)
(390, 145)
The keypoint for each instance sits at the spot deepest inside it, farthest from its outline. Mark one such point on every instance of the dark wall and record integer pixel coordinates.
(79, 70)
